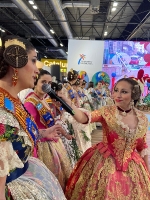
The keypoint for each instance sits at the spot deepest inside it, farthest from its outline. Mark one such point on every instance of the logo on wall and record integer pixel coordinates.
(83, 61)
(82, 57)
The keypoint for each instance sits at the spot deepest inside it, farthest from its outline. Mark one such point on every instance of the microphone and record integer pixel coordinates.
(47, 89)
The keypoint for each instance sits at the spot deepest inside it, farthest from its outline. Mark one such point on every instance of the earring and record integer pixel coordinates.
(132, 104)
(15, 77)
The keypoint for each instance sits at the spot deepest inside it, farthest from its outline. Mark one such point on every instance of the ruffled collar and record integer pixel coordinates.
(125, 127)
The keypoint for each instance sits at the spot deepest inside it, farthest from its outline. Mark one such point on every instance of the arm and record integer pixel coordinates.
(2, 183)
(79, 115)
(143, 150)
(145, 158)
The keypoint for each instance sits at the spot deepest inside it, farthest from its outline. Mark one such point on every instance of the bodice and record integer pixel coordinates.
(118, 140)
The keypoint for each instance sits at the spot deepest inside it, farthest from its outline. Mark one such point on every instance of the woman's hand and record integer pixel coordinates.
(65, 134)
(63, 96)
(52, 132)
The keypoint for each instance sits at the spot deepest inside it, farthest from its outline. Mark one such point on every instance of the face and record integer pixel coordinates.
(122, 94)
(107, 85)
(27, 74)
(44, 79)
(81, 82)
(99, 85)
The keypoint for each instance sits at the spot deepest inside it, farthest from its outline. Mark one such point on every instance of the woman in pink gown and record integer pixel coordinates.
(51, 152)
(116, 168)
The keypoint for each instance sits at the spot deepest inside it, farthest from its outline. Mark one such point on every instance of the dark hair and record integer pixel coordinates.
(135, 87)
(77, 83)
(4, 66)
(90, 85)
(56, 86)
(84, 83)
(72, 75)
(42, 73)
(99, 82)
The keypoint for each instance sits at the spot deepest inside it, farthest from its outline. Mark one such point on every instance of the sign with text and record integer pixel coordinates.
(49, 62)
(85, 55)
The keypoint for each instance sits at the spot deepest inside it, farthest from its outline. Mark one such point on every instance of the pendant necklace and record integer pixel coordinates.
(124, 112)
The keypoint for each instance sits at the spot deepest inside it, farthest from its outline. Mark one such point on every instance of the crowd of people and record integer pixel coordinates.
(47, 154)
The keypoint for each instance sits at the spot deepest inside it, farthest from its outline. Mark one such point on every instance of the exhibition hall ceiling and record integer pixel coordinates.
(50, 23)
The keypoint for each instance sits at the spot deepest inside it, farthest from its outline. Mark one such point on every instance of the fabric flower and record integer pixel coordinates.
(2, 129)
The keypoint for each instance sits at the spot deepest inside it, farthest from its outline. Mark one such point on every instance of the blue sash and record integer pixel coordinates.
(17, 173)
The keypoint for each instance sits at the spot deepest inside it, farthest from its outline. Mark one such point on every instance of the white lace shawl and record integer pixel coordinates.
(8, 157)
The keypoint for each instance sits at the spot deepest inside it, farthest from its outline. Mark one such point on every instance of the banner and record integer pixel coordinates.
(85, 55)
(49, 62)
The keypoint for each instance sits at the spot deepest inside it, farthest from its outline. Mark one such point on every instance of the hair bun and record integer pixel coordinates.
(16, 56)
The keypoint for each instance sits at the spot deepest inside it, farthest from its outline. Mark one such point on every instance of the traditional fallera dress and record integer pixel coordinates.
(51, 152)
(113, 169)
(27, 177)
(70, 145)
(82, 132)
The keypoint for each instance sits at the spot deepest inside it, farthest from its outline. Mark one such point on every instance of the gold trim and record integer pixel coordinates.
(14, 42)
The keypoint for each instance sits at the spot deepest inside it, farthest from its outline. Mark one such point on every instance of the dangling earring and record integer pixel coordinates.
(132, 104)
(15, 77)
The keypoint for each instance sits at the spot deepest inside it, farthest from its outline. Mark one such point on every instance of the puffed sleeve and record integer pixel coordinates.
(142, 147)
(9, 159)
(96, 116)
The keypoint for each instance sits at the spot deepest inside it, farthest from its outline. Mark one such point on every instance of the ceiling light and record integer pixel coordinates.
(35, 7)
(45, 56)
(31, 2)
(3, 30)
(36, 51)
(52, 31)
(61, 45)
(113, 9)
(105, 33)
(115, 3)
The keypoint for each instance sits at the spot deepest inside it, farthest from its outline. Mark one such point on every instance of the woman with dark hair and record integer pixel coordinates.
(82, 132)
(117, 167)
(21, 176)
(50, 151)
(90, 85)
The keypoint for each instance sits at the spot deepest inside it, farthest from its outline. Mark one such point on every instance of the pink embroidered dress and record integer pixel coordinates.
(51, 152)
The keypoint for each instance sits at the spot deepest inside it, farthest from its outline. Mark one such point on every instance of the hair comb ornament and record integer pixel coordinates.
(136, 92)
(137, 86)
(14, 42)
(54, 79)
(15, 53)
(71, 70)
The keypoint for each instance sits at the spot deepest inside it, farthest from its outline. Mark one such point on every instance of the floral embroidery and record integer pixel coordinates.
(6, 131)
(120, 176)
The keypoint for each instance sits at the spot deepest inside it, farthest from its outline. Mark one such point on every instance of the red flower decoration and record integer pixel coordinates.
(2, 129)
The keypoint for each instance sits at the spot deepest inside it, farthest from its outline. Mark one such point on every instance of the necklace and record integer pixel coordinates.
(124, 112)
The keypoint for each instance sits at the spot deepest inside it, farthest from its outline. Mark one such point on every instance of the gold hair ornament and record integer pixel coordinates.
(14, 42)
(136, 87)
(71, 70)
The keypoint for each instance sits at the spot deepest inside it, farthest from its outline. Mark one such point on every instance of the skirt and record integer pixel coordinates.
(37, 183)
